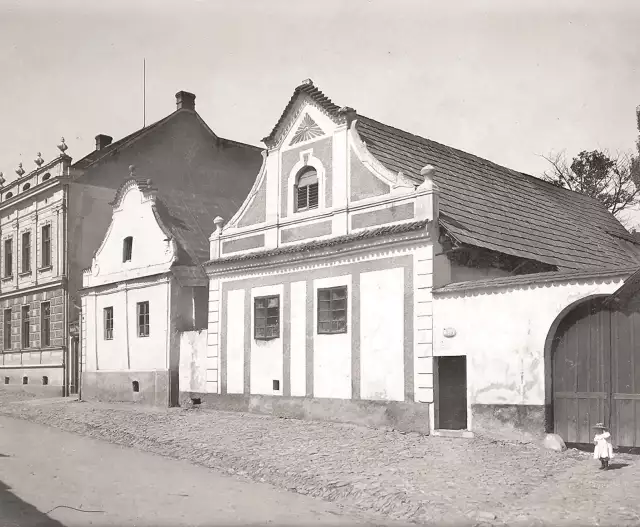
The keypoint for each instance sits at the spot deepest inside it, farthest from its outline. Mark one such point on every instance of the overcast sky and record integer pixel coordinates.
(507, 80)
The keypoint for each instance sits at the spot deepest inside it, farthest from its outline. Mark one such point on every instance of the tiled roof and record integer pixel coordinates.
(302, 248)
(487, 205)
(315, 94)
(536, 279)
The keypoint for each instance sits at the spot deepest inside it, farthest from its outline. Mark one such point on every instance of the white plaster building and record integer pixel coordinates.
(338, 288)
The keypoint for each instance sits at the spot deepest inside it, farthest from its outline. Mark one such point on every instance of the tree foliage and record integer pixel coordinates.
(612, 179)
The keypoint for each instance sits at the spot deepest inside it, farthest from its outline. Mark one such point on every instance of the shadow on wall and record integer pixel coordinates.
(14, 511)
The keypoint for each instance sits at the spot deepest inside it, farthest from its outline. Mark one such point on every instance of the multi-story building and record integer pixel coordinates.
(34, 306)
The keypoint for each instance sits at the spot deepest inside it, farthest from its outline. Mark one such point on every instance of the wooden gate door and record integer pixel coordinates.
(596, 373)
(581, 372)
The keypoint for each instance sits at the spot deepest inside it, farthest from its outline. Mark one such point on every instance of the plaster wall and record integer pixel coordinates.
(193, 361)
(235, 333)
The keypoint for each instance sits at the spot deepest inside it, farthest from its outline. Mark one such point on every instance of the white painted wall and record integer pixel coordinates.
(332, 353)
(266, 355)
(193, 366)
(150, 353)
(502, 332)
(382, 335)
(235, 341)
(298, 344)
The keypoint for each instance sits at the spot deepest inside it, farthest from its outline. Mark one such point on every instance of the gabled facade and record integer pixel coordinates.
(141, 291)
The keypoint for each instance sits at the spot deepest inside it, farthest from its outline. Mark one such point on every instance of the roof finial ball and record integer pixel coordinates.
(132, 170)
(218, 221)
(2, 179)
(428, 173)
(20, 170)
(62, 146)
(38, 161)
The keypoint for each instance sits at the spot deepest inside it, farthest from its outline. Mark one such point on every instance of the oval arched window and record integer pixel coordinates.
(46, 176)
(9, 195)
(26, 186)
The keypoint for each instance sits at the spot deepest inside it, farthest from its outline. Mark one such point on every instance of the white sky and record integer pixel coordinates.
(507, 80)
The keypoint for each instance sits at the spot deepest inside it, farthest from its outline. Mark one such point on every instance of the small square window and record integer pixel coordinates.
(332, 310)
(266, 324)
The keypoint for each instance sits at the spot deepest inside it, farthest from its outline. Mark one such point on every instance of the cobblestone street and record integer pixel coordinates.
(405, 477)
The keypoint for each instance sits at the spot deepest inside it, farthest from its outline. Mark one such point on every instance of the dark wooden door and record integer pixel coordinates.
(596, 374)
(452, 393)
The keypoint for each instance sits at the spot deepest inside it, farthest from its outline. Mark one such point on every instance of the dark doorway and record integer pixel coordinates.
(451, 396)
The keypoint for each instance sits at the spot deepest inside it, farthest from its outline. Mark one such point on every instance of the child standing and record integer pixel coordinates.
(604, 449)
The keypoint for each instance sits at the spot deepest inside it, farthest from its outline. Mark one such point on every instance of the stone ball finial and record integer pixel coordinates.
(218, 221)
(20, 170)
(2, 180)
(428, 172)
(306, 82)
(132, 170)
(38, 161)
(62, 146)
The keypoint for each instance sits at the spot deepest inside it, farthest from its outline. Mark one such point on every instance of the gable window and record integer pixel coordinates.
(45, 324)
(108, 323)
(8, 257)
(7, 329)
(307, 190)
(266, 323)
(332, 310)
(26, 252)
(46, 245)
(127, 249)
(25, 326)
(143, 319)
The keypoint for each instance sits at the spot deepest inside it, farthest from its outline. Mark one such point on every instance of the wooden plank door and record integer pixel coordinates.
(581, 364)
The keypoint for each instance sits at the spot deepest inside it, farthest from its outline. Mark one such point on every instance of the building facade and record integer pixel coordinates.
(34, 299)
(143, 289)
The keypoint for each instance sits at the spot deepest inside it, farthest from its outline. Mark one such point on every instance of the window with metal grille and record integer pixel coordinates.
(143, 319)
(45, 324)
(26, 327)
(7, 329)
(8, 257)
(266, 324)
(26, 252)
(332, 310)
(127, 249)
(108, 323)
(46, 245)
(307, 190)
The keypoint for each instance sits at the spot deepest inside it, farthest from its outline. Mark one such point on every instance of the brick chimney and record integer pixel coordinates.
(103, 141)
(185, 100)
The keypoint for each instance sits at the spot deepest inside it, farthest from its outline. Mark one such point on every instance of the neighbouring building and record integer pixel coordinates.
(34, 304)
(345, 286)
(198, 176)
(143, 295)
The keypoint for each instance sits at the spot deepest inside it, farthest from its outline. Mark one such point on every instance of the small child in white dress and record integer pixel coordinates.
(603, 449)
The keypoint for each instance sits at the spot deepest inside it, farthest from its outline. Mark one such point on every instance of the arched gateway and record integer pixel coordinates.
(595, 355)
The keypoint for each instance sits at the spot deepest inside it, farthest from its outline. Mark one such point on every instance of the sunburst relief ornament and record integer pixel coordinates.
(308, 129)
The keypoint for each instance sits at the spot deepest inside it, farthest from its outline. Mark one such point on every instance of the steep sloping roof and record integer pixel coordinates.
(488, 205)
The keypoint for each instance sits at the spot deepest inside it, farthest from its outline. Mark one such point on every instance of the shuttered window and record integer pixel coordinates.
(307, 191)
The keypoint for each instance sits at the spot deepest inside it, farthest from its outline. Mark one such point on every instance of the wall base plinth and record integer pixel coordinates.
(405, 417)
(118, 387)
(510, 421)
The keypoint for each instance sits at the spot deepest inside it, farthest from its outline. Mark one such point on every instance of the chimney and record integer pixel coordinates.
(185, 100)
(103, 141)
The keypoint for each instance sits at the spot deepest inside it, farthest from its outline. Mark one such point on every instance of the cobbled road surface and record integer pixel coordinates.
(382, 474)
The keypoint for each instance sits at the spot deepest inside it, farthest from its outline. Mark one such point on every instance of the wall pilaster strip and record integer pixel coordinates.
(354, 298)
(248, 312)
(286, 340)
(309, 348)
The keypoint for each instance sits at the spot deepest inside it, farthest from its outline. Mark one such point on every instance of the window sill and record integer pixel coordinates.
(343, 332)
(45, 268)
(7, 278)
(25, 273)
(143, 336)
(266, 338)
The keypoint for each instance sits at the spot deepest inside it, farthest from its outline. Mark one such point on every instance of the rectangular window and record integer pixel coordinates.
(332, 310)
(143, 319)
(266, 324)
(108, 323)
(25, 326)
(45, 324)
(26, 252)
(127, 249)
(46, 245)
(7, 329)
(8, 257)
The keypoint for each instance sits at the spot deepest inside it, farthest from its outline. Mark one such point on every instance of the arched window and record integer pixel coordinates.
(46, 176)
(9, 195)
(127, 249)
(26, 186)
(307, 190)
(136, 386)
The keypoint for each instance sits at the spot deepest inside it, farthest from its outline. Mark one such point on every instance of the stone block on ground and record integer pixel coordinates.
(554, 442)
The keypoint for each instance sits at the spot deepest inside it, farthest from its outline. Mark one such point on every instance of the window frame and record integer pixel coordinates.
(145, 316)
(127, 249)
(332, 319)
(266, 335)
(25, 339)
(307, 188)
(8, 257)
(45, 324)
(107, 329)
(26, 252)
(6, 341)
(45, 246)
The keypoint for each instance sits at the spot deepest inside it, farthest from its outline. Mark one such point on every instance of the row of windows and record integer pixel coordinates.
(45, 249)
(332, 313)
(25, 326)
(142, 312)
(26, 186)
